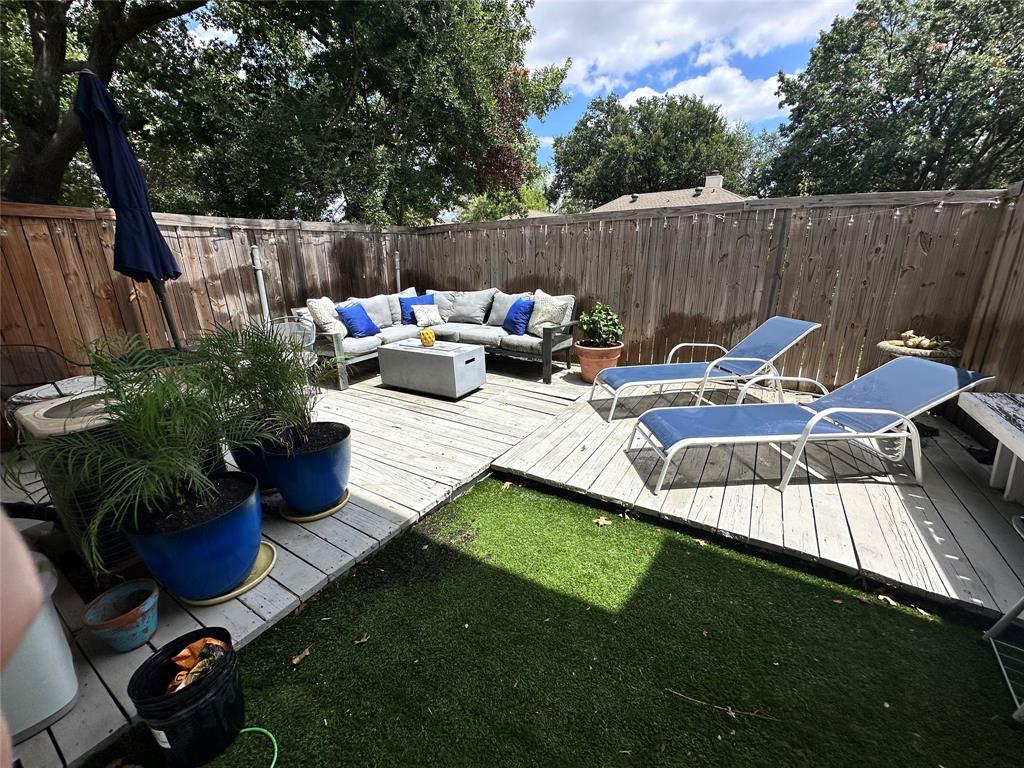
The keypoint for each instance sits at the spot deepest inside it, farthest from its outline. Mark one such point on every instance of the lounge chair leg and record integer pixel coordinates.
(915, 452)
(615, 401)
(791, 467)
(664, 471)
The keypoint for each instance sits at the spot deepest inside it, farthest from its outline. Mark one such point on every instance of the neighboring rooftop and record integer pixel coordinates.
(711, 192)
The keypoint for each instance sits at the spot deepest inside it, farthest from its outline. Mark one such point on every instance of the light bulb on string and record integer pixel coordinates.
(938, 208)
(896, 214)
(849, 222)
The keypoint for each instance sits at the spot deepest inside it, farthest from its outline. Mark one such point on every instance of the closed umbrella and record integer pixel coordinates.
(140, 251)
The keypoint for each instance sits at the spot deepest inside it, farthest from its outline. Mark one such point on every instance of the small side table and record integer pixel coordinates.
(1002, 415)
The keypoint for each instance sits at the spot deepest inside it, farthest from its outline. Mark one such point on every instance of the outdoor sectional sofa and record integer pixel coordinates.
(467, 318)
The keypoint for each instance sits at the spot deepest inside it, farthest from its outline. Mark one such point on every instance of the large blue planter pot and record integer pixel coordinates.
(253, 460)
(313, 482)
(210, 558)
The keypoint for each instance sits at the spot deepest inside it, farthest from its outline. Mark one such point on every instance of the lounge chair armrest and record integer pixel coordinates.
(777, 380)
(677, 347)
(711, 366)
(824, 414)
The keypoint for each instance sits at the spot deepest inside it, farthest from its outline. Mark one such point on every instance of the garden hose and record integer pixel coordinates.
(270, 736)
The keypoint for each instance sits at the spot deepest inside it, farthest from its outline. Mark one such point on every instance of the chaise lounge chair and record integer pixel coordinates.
(870, 407)
(754, 355)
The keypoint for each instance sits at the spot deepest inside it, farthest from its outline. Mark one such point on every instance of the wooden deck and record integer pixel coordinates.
(411, 454)
(950, 540)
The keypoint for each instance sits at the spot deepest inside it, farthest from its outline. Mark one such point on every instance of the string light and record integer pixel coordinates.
(808, 222)
(896, 213)
(735, 223)
(1011, 205)
(849, 223)
(938, 208)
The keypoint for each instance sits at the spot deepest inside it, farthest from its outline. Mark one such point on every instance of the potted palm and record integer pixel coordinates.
(155, 471)
(601, 345)
(274, 380)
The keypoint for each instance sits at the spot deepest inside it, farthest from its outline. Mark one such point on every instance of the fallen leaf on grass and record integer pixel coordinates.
(361, 641)
(887, 599)
(301, 607)
(701, 542)
(506, 485)
(298, 659)
(837, 601)
(601, 521)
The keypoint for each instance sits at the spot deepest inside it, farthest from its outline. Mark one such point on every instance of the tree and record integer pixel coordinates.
(908, 94)
(383, 112)
(657, 144)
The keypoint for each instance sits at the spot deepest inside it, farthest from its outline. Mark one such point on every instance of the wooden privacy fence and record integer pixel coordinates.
(59, 288)
(866, 266)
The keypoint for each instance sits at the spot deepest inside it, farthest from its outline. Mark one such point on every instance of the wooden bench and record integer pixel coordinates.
(1002, 414)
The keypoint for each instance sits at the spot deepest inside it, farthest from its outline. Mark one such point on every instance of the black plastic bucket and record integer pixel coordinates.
(199, 722)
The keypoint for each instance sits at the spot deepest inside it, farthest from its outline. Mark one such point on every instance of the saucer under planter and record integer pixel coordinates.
(214, 551)
(265, 561)
(593, 360)
(314, 478)
(319, 515)
(124, 617)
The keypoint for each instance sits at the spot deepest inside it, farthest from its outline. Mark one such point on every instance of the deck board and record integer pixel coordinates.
(411, 454)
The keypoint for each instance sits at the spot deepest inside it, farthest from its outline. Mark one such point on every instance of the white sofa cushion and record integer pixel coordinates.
(324, 314)
(444, 301)
(378, 308)
(471, 306)
(549, 311)
(353, 346)
(397, 333)
(500, 306)
(487, 335)
(396, 306)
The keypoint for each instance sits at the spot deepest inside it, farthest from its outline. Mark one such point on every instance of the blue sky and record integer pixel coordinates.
(728, 51)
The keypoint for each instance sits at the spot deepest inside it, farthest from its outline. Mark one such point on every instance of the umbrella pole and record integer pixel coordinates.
(161, 294)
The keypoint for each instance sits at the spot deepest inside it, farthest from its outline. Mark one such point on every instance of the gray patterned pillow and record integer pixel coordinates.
(324, 313)
(426, 315)
(549, 311)
(471, 306)
(501, 305)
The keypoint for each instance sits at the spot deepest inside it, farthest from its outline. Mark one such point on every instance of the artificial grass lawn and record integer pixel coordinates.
(510, 630)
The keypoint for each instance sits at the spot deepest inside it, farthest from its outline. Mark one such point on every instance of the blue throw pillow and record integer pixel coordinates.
(357, 321)
(518, 317)
(409, 303)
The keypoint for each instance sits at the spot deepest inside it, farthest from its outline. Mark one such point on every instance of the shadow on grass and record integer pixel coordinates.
(515, 632)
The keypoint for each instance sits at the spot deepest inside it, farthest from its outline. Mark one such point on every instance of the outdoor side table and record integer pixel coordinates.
(1002, 415)
(446, 368)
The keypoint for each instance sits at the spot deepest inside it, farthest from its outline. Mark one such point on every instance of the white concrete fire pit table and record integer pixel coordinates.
(446, 368)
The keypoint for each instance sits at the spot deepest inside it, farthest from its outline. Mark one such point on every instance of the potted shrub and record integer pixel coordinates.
(601, 345)
(274, 378)
(155, 470)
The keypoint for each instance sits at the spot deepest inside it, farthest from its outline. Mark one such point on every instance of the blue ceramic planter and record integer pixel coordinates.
(124, 617)
(207, 559)
(313, 482)
(253, 460)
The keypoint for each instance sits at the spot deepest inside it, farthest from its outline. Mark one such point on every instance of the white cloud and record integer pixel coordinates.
(742, 99)
(206, 35)
(608, 41)
(546, 141)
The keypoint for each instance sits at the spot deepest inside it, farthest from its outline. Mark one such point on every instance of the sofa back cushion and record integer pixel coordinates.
(395, 304)
(501, 304)
(357, 320)
(518, 316)
(444, 301)
(471, 306)
(549, 311)
(426, 315)
(378, 308)
(408, 302)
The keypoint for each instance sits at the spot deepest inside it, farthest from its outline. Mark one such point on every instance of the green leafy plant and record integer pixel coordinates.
(166, 421)
(271, 378)
(601, 327)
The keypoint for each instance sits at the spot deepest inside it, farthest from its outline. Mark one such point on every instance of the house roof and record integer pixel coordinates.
(670, 199)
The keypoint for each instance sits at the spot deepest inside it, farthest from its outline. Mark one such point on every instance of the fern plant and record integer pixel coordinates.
(601, 327)
(167, 422)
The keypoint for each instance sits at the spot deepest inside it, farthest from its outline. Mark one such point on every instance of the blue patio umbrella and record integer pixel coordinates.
(140, 251)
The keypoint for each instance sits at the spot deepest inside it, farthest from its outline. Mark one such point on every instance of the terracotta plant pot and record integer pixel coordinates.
(594, 359)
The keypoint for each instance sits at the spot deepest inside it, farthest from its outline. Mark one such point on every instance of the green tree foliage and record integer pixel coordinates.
(663, 143)
(380, 112)
(908, 94)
